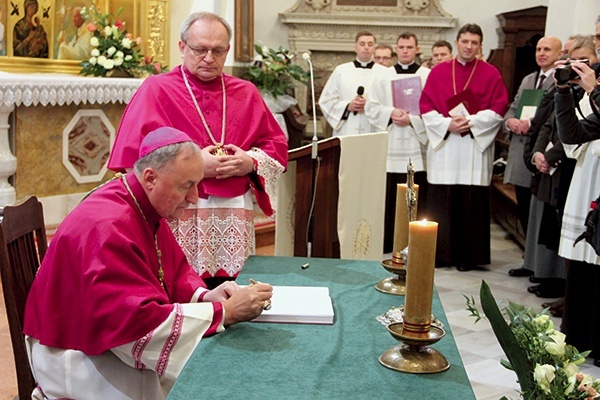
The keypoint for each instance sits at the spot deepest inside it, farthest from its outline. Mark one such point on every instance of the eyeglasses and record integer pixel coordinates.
(596, 37)
(203, 51)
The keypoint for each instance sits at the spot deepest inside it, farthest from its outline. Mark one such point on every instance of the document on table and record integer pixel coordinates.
(299, 305)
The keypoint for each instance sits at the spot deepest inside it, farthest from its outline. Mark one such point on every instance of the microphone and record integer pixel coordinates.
(360, 91)
(315, 139)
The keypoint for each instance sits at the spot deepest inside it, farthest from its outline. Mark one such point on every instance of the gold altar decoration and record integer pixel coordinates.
(416, 331)
(53, 20)
(406, 211)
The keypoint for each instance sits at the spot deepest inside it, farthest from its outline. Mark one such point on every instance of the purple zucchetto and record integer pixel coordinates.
(162, 137)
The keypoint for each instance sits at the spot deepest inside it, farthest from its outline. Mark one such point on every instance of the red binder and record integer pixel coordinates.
(467, 98)
(406, 93)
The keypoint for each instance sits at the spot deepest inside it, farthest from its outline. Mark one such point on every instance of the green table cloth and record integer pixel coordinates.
(254, 360)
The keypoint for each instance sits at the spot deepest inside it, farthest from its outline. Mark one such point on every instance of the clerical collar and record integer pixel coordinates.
(366, 65)
(406, 69)
(461, 62)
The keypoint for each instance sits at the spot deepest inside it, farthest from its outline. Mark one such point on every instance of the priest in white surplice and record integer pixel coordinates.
(407, 138)
(348, 89)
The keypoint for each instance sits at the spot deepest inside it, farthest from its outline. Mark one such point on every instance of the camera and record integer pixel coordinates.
(564, 73)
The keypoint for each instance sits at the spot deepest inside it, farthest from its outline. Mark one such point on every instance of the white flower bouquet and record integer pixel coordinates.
(546, 367)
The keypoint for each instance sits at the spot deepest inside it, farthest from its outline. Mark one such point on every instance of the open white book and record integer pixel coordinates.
(299, 305)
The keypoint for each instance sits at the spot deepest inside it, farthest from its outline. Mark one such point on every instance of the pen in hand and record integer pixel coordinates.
(267, 303)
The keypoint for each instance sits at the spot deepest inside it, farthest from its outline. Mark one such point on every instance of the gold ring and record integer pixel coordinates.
(267, 305)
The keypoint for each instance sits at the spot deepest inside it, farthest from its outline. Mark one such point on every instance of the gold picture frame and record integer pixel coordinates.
(244, 30)
(33, 31)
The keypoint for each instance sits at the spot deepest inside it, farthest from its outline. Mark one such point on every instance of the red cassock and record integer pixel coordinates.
(163, 100)
(104, 261)
(486, 85)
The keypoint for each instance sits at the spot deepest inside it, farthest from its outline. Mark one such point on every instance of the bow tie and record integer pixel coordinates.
(368, 66)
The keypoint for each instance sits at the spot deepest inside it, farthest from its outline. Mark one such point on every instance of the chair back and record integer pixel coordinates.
(23, 245)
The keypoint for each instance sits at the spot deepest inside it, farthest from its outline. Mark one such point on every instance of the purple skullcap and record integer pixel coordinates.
(162, 137)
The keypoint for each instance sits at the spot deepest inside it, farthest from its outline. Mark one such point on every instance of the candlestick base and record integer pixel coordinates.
(395, 285)
(414, 356)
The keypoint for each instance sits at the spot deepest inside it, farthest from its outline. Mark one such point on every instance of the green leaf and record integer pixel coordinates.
(516, 355)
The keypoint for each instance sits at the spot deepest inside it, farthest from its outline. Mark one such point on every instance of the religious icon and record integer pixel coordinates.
(2, 27)
(29, 34)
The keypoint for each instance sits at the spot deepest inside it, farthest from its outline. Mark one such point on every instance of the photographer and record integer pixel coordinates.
(552, 170)
(581, 319)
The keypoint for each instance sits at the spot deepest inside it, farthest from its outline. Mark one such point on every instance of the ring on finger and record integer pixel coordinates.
(267, 305)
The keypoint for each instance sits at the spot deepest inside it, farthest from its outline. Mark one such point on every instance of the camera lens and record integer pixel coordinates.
(564, 74)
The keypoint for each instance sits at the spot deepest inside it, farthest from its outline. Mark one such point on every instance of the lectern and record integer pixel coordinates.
(348, 185)
(325, 170)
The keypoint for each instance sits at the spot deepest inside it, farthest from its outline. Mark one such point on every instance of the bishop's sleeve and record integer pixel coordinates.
(167, 348)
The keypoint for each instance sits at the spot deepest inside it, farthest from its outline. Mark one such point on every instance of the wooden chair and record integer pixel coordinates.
(23, 245)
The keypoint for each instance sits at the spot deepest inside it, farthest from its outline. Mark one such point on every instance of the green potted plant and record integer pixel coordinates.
(275, 75)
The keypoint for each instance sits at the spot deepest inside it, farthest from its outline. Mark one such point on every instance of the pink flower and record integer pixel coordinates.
(157, 67)
(119, 24)
(147, 59)
(129, 36)
(138, 40)
(91, 27)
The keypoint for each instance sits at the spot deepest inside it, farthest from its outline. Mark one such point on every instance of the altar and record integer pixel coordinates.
(257, 360)
(56, 132)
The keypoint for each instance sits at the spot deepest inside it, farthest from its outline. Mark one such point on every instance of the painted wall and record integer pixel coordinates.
(564, 18)
(273, 33)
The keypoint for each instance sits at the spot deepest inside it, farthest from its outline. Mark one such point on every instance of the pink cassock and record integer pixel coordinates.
(98, 286)
(163, 100)
(486, 86)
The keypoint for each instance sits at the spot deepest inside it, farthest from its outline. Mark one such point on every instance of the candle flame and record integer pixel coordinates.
(424, 222)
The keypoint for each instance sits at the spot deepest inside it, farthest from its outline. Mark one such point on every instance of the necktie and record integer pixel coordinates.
(542, 77)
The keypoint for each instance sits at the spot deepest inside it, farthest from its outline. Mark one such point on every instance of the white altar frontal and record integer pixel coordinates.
(56, 132)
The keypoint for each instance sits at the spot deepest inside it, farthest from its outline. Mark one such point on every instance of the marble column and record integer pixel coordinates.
(8, 162)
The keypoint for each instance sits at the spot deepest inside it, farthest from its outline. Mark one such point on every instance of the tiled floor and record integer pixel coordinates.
(478, 347)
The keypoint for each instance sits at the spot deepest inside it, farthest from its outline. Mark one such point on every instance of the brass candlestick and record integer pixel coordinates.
(406, 211)
(414, 356)
(416, 330)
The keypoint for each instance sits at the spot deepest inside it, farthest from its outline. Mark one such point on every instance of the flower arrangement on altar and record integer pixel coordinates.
(546, 367)
(274, 74)
(114, 51)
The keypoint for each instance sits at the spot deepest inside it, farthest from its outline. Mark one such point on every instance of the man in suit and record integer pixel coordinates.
(547, 51)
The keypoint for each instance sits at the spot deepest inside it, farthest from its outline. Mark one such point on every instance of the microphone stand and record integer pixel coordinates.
(316, 161)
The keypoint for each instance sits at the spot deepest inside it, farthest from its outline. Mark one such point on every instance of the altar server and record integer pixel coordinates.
(347, 90)
(407, 139)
